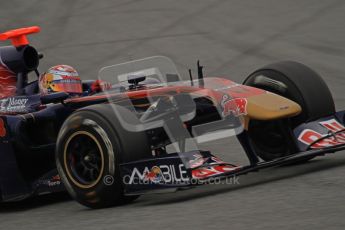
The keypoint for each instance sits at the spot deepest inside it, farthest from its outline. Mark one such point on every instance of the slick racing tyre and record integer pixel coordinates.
(297, 82)
(91, 144)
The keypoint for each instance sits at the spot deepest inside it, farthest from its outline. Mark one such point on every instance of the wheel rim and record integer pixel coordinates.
(84, 159)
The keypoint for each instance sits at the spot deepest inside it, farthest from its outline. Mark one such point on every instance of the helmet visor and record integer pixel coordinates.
(67, 85)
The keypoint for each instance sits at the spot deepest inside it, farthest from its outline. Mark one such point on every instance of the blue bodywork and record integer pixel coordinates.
(322, 135)
(27, 156)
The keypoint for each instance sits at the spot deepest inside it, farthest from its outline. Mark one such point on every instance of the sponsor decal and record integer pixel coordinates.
(54, 181)
(2, 128)
(3, 104)
(206, 172)
(198, 161)
(237, 106)
(50, 181)
(13, 104)
(166, 174)
(310, 137)
(155, 175)
(216, 160)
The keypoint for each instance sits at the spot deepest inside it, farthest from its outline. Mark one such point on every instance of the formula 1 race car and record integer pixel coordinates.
(142, 135)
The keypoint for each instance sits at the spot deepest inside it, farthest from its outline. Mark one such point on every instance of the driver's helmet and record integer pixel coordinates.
(60, 78)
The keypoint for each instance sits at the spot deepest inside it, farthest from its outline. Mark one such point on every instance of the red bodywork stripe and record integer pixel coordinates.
(219, 88)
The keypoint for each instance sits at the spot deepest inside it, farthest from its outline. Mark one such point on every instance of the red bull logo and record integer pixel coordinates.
(237, 106)
(155, 175)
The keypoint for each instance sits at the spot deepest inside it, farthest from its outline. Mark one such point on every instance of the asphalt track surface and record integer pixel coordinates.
(231, 38)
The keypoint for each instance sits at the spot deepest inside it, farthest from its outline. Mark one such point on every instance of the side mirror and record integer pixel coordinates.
(54, 97)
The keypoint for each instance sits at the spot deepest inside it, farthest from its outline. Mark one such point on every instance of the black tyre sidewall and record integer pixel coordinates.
(100, 122)
(303, 86)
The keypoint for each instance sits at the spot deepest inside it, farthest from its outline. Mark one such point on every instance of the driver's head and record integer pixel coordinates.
(61, 78)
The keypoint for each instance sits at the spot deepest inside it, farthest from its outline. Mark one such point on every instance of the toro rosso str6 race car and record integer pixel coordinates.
(142, 133)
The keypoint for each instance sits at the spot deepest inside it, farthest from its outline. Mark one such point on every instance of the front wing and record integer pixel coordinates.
(169, 174)
(185, 170)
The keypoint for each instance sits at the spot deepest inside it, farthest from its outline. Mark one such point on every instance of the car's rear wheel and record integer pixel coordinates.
(91, 145)
(297, 82)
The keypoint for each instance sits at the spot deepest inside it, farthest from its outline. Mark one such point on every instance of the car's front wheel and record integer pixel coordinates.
(91, 145)
(299, 83)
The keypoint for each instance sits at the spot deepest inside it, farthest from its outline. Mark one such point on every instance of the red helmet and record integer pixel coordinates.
(8, 81)
(61, 78)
